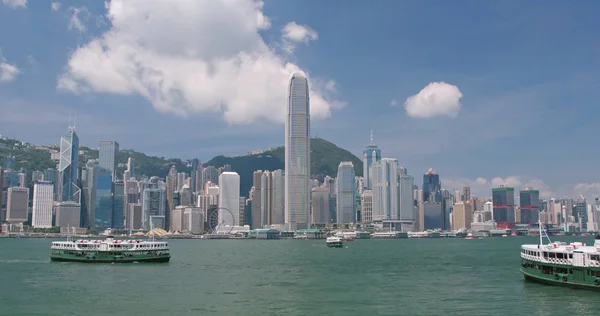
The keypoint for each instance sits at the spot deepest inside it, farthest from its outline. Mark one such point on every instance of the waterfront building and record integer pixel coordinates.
(17, 205)
(43, 202)
(407, 201)
(103, 199)
(68, 214)
(297, 154)
(118, 205)
(385, 189)
(134, 219)
(107, 156)
(529, 205)
(503, 199)
(229, 199)
(346, 193)
(193, 220)
(68, 167)
(371, 155)
(153, 201)
(320, 205)
(462, 215)
(366, 202)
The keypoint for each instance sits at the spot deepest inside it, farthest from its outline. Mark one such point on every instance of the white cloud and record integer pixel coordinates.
(15, 3)
(8, 72)
(78, 18)
(589, 190)
(293, 33)
(192, 57)
(299, 33)
(482, 187)
(56, 6)
(436, 99)
(394, 103)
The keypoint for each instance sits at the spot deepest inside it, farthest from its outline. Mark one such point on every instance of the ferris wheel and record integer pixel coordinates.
(221, 221)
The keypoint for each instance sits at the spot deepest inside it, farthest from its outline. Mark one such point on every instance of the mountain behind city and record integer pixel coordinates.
(325, 158)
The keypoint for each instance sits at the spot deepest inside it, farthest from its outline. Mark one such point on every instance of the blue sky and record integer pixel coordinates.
(516, 99)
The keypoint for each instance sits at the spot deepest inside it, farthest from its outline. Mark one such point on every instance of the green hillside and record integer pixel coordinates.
(325, 158)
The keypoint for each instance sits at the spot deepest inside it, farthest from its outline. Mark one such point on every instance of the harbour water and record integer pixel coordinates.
(290, 277)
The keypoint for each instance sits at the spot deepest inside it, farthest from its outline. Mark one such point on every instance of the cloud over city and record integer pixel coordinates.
(181, 65)
(436, 99)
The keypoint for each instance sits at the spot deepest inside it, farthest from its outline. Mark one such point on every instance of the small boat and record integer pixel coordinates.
(347, 238)
(303, 237)
(334, 242)
(514, 234)
(504, 235)
(470, 236)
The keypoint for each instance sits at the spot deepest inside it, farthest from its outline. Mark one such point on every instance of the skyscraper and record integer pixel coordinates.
(297, 154)
(229, 199)
(153, 202)
(432, 186)
(406, 195)
(529, 204)
(194, 175)
(17, 205)
(103, 199)
(107, 156)
(118, 205)
(371, 154)
(43, 201)
(67, 167)
(503, 199)
(346, 196)
(385, 189)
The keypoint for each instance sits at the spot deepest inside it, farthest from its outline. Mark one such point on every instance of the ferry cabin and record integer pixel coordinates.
(110, 247)
(575, 264)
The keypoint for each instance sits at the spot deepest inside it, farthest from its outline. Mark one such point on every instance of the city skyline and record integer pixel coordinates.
(503, 112)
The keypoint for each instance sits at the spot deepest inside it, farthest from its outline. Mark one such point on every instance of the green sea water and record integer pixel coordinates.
(289, 277)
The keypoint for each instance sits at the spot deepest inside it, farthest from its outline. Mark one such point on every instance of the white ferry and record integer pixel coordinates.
(334, 242)
(110, 250)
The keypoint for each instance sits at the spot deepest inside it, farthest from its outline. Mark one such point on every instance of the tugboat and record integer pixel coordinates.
(557, 263)
(334, 242)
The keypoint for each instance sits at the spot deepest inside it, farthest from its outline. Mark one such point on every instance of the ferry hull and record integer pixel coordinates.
(335, 245)
(550, 280)
(111, 259)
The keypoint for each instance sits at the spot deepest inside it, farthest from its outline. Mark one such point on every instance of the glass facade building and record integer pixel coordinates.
(67, 167)
(297, 154)
(529, 204)
(103, 199)
(503, 199)
(346, 193)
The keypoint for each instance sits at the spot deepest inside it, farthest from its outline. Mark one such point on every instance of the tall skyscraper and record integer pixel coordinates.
(229, 199)
(211, 174)
(385, 189)
(130, 168)
(277, 197)
(529, 204)
(2, 215)
(194, 175)
(153, 202)
(103, 199)
(67, 167)
(371, 154)
(297, 154)
(118, 205)
(503, 199)
(320, 205)
(107, 156)
(346, 193)
(432, 186)
(43, 201)
(407, 201)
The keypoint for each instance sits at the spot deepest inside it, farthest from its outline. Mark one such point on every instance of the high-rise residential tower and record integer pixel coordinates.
(371, 154)
(346, 193)
(107, 156)
(406, 196)
(385, 189)
(297, 154)
(67, 167)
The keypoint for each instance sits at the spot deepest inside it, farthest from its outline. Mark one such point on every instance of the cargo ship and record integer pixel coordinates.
(573, 265)
(110, 250)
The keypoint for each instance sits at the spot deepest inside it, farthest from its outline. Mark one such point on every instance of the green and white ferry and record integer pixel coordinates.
(558, 263)
(110, 250)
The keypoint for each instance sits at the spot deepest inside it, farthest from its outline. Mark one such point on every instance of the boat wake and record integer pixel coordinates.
(23, 261)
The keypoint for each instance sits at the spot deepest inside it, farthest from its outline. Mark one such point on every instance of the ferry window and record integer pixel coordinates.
(595, 257)
(570, 256)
